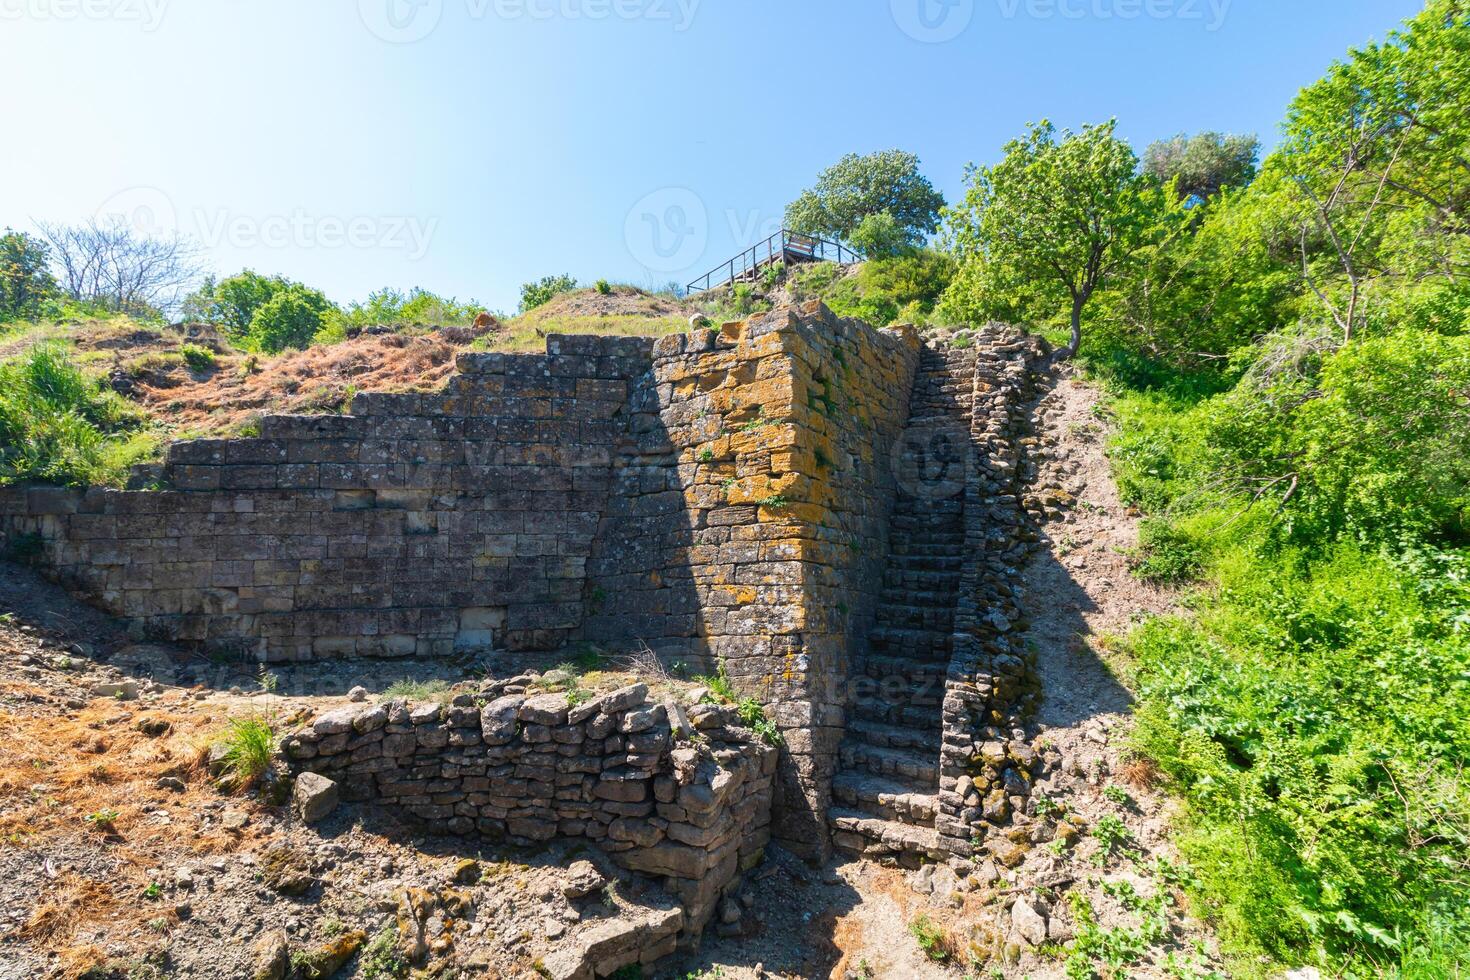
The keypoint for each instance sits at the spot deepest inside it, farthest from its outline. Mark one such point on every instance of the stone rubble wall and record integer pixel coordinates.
(987, 764)
(682, 794)
(749, 524)
(419, 524)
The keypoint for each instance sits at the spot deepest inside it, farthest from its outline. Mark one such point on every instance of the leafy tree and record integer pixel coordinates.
(232, 302)
(857, 187)
(290, 318)
(390, 307)
(880, 236)
(1066, 215)
(25, 276)
(1203, 163)
(544, 290)
(1375, 160)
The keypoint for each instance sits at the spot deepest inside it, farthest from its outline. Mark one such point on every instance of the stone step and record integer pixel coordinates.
(937, 619)
(861, 833)
(883, 796)
(926, 563)
(911, 670)
(895, 736)
(924, 598)
(910, 644)
(921, 578)
(924, 718)
(920, 769)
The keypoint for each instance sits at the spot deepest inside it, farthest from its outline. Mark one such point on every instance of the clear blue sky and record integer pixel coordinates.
(470, 145)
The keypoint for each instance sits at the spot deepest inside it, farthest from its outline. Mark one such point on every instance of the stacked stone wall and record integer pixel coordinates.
(986, 760)
(419, 524)
(680, 794)
(749, 524)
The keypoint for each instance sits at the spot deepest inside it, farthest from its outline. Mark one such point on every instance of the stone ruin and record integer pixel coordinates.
(827, 512)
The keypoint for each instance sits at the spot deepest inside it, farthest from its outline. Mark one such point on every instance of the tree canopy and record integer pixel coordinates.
(1062, 213)
(858, 187)
(1203, 164)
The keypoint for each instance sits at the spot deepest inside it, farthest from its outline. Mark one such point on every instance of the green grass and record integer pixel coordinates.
(250, 745)
(60, 425)
(931, 938)
(1311, 705)
(412, 690)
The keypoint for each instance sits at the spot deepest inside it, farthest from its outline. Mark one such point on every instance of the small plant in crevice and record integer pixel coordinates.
(931, 939)
(754, 715)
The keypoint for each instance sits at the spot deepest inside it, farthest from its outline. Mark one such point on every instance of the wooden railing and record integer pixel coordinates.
(785, 247)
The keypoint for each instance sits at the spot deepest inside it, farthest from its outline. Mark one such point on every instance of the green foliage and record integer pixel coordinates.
(720, 685)
(290, 318)
(883, 288)
(380, 959)
(261, 313)
(60, 425)
(249, 747)
(198, 358)
(392, 308)
(1063, 216)
(880, 236)
(1203, 164)
(603, 287)
(1165, 555)
(544, 290)
(26, 282)
(931, 938)
(856, 187)
(412, 690)
(754, 716)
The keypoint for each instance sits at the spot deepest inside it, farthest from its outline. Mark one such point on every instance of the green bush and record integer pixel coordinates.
(60, 425)
(603, 287)
(290, 318)
(198, 358)
(1316, 718)
(544, 290)
(392, 308)
(911, 282)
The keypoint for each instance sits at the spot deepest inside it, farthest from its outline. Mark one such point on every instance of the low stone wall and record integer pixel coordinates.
(683, 794)
(986, 760)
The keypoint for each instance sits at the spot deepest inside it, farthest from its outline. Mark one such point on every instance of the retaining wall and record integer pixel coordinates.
(683, 795)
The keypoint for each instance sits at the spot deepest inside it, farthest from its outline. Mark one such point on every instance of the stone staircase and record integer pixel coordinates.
(885, 794)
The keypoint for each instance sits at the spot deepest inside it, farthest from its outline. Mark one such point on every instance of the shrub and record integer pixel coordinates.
(250, 745)
(604, 287)
(198, 358)
(59, 425)
(290, 318)
(544, 290)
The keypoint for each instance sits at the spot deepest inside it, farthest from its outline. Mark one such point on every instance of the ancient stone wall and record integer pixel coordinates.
(417, 524)
(680, 794)
(749, 524)
(986, 761)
